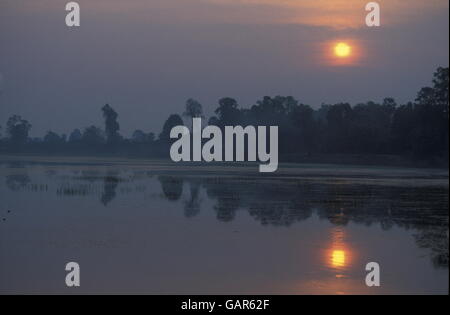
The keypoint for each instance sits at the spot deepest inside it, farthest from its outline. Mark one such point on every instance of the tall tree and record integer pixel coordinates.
(112, 127)
(18, 129)
(440, 85)
(431, 108)
(172, 121)
(193, 109)
(228, 112)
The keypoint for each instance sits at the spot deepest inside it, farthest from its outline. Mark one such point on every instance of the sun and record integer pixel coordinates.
(342, 50)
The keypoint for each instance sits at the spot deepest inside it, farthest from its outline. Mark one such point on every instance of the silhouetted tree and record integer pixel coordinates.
(150, 137)
(93, 136)
(271, 111)
(431, 125)
(339, 119)
(18, 129)
(112, 127)
(369, 130)
(402, 129)
(75, 136)
(53, 138)
(141, 137)
(304, 130)
(193, 109)
(214, 121)
(440, 85)
(227, 112)
(172, 121)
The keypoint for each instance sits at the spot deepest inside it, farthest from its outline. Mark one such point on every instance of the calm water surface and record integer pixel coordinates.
(152, 227)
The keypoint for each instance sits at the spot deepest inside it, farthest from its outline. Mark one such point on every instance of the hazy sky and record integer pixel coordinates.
(146, 57)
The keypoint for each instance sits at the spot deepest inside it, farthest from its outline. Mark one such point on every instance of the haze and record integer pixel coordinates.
(145, 58)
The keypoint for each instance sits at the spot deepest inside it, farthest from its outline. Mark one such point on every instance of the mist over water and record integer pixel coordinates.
(150, 227)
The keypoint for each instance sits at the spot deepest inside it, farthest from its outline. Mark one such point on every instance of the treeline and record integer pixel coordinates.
(417, 130)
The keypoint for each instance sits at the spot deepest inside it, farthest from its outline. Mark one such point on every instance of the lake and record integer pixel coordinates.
(154, 227)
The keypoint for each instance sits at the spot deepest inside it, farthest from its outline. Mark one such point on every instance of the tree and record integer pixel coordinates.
(402, 128)
(112, 127)
(54, 139)
(150, 137)
(213, 121)
(273, 107)
(18, 129)
(172, 121)
(193, 109)
(440, 84)
(138, 136)
(304, 130)
(370, 127)
(227, 112)
(75, 136)
(339, 119)
(431, 111)
(390, 104)
(93, 136)
(141, 137)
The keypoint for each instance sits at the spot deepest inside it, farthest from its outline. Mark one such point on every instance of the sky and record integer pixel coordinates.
(147, 57)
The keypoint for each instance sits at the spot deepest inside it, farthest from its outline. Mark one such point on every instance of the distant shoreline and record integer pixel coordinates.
(319, 159)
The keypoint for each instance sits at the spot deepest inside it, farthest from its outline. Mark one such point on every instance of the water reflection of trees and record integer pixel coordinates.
(192, 204)
(272, 202)
(435, 239)
(110, 183)
(283, 202)
(172, 187)
(18, 182)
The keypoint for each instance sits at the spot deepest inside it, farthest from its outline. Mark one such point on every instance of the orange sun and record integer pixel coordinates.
(342, 50)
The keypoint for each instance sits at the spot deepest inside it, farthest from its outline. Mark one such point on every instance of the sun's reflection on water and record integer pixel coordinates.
(338, 258)
(339, 254)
